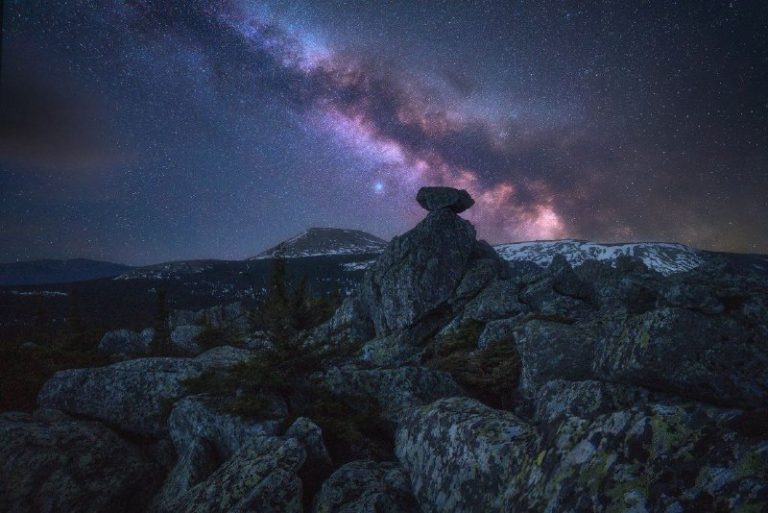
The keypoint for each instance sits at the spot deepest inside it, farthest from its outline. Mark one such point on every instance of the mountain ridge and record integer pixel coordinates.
(664, 257)
(49, 270)
(321, 241)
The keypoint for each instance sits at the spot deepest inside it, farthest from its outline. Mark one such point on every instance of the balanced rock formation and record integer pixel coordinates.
(420, 281)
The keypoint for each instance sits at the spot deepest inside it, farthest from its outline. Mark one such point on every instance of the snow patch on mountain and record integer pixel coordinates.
(357, 266)
(664, 257)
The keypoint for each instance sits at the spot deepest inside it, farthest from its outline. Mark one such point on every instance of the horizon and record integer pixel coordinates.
(154, 132)
(256, 254)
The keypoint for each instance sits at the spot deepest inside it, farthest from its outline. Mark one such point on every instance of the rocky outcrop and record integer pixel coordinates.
(50, 462)
(134, 396)
(421, 281)
(465, 457)
(616, 389)
(205, 439)
(198, 461)
(367, 487)
(627, 325)
(596, 345)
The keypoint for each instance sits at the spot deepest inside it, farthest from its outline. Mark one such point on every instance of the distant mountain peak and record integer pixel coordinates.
(319, 241)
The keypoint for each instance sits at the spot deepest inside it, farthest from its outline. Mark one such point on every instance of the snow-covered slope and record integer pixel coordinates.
(326, 242)
(664, 257)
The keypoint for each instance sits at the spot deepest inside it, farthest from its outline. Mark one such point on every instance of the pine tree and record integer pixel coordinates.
(76, 327)
(161, 343)
(280, 310)
(41, 315)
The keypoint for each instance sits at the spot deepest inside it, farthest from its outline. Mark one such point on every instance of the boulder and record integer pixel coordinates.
(540, 296)
(197, 418)
(222, 357)
(462, 456)
(565, 281)
(260, 477)
(585, 399)
(135, 395)
(500, 331)
(126, 343)
(393, 350)
(499, 300)
(204, 438)
(311, 437)
(366, 487)
(682, 351)
(480, 273)
(553, 350)
(393, 389)
(198, 461)
(184, 338)
(50, 462)
(350, 324)
(318, 465)
(435, 198)
(230, 320)
(658, 457)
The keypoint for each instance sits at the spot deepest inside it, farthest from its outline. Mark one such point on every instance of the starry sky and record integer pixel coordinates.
(141, 131)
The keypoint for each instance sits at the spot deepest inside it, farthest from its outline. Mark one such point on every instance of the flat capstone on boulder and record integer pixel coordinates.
(435, 198)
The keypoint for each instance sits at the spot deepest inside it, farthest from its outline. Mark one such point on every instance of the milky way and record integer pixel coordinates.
(143, 131)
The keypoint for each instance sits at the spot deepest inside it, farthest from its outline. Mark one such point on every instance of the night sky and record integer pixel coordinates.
(139, 131)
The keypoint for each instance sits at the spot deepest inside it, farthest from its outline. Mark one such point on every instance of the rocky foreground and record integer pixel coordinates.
(597, 388)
